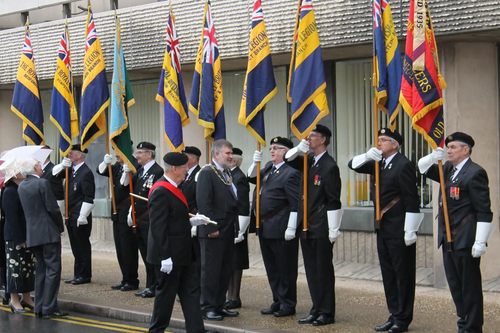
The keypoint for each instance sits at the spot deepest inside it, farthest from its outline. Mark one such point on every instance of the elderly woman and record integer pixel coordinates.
(20, 263)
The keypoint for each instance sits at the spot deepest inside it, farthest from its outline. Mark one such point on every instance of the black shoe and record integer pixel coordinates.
(232, 304)
(284, 313)
(308, 320)
(70, 280)
(323, 320)
(5, 301)
(384, 327)
(81, 280)
(148, 294)
(398, 328)
(60, 314)
(227, 313)
(117, 286)
(46, 316)
(129, 287)
(271, 310)
(139, 293)
(211, 315)
(26, 305)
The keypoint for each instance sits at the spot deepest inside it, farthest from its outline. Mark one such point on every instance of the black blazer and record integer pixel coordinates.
(217, 201)
(397, 179)
(15, 222)
(474, 196)
(142, 185)
(44, 222)
(188, 187)
(55, 182)
(240, 180)
(277, 189)
(325, 192)
(170, 231)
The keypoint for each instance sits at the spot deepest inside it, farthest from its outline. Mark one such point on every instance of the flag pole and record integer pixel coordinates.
(304, 230)
(110, 171)
(449, 240)
(132, 203)
(67, 194)
(257, 204)
(375, 128)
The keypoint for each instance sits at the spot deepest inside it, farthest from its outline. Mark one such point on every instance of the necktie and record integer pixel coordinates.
(382, 165)
(141, 173)
(273, 170)
(453, 173)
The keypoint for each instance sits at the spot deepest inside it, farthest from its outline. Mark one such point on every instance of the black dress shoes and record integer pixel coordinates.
(80, 280)
(232, 304)
(398, 328)
(148, 293)
(46, 316)
(59, 314)
(128, 287)
(227, 313)
(211, 315)
(284, 313)
(70, 280)
(308, 320)
(117, 286)
(271, 310)
(139, 293)
(384, 327)
(323, 320)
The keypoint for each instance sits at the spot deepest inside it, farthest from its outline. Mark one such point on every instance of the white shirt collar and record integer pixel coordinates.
(317, 157)
(170, 180)
(37, 176)
(76, 167)
(148, 165)
(218, 166)
(44, 165)
(190, 171)
(459, 167)
(277, 166)
(389, 159)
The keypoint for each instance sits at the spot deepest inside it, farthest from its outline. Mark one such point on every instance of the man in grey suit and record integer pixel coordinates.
(44, 226)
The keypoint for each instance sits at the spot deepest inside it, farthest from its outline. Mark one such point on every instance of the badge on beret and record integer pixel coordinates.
(450, 138)
(382, 131)
(275, 140)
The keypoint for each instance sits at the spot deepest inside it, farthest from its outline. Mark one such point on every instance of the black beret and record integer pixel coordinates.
(323, 130)
(282, 141)
(392, 134)
(462, 137)
(192, 150)
(146, 145)
(237, 151)
(175, 159)
(79, 148)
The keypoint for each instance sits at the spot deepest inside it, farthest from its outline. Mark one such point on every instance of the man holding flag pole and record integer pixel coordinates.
(320, 213)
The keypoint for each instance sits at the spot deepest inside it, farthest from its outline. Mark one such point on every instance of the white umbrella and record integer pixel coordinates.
(37, 152)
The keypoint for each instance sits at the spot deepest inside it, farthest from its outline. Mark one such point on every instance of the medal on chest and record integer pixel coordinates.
(149, 182)
(74, 186)
(455, 193)
(317, 180)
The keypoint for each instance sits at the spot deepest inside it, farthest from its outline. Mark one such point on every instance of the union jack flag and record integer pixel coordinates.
(64, 52)
(209, 38)
(377, 12)
(305, 8)
(257, 15)
(27, 50)
(91, 31)
(173, 44)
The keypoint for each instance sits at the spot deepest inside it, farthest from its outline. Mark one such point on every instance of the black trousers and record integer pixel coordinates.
(398, 266)
(281, 263)
(216, 271)
(184, 281)
(48, 277)
(142, 242)
(463, 273)
(79, 239)
(320, 274)
(126, 251)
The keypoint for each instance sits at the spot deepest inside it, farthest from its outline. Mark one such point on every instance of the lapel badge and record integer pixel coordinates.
(390, 166)
(74, 186)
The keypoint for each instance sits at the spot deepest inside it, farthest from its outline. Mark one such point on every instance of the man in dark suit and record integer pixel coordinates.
(125, 240)
(396, 238)
(55, 182)
(43, 228)
(216, 196)
(470, 216)
(324, 212)
(148, 173)
(240, 257)
(279, 195)
(170, 248)
(80, 203)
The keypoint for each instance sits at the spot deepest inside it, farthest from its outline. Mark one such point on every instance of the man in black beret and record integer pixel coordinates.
(147, 174)
(470, 216)
(279, 194)
(170, 248)
(80, 204)
(396, 237)
(325, 214)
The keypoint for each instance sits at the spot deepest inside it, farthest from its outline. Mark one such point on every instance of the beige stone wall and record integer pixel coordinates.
(10, 124)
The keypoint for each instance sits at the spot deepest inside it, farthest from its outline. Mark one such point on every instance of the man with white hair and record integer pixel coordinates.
(43, 228)
(80, 202)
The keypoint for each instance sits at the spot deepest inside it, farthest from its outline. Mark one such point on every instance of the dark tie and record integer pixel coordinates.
(382, 165)
(187, 176)
(453, 173)
(273, 170)
(141, 173)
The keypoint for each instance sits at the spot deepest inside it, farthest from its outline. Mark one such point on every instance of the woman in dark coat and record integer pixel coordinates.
(19, 260)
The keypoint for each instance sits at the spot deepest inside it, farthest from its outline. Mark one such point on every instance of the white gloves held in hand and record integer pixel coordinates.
(130, 221)
(437, 154)
(374, 154)
(198, 219)
(126, 168)
(108, 159)
(291, 227)
(167, 265)
(257, 156)
(82, 220)
(66, 162)
(303, 146)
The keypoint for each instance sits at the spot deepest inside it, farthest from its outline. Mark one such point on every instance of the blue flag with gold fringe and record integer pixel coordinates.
(388, 65)
(95, 93)
(260, 85)
(206, 99)
(171, 90)
(26, 102)
(306, 84)
(63, 111)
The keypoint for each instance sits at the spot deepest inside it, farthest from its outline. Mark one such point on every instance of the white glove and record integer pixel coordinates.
(257, 156)
(374, 154)
(412, 223)
(130, 221)
(167, 265)
(66, 163)
(252, 170)
(425, 162)
(483, 233)
(334, 221)
(125, 180)
(108, 159)
(244, 222)
(302, 148)
(84, 213)
(82, 220)
(62, 207)
(193, 231)
(292, 226)
(198, 219)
